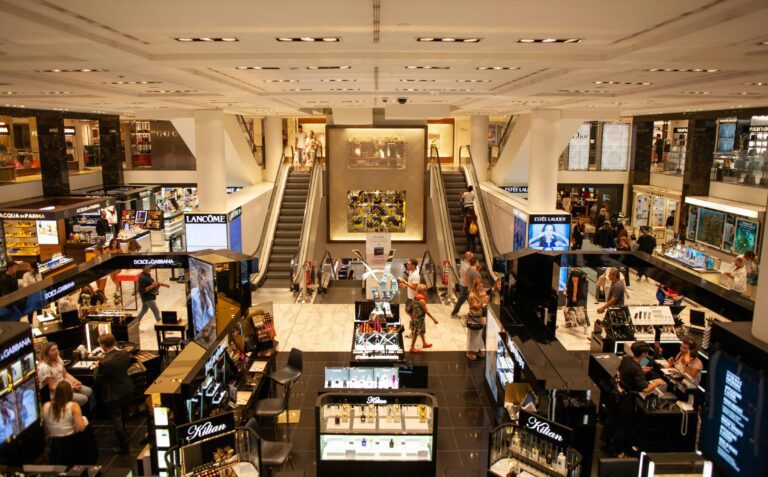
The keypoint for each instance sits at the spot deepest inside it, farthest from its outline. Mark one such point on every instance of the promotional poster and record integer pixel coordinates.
(202, 301)
(549, 232)
(746, 236)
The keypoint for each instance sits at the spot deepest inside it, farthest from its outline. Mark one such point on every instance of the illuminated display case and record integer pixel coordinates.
(389, 433)
(361, 378)
(376, 338)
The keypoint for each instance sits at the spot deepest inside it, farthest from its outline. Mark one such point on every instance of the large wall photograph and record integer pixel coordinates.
(376, 211)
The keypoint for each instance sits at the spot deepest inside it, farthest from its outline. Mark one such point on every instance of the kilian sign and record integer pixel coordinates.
(205, 428)
(545, 429)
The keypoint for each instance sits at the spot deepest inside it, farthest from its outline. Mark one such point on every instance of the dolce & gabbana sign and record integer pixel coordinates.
(545, 429)
(13, 349)
(205, 428)
(205, 218)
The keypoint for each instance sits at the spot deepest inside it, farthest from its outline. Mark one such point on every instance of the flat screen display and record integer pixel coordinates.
(690, 230)
(202, 301)
(18, 407)
(726, 136)
(709, 228)
(734, 425)
(745, 239)
(519, 234)
(47, 232)
(549, 232)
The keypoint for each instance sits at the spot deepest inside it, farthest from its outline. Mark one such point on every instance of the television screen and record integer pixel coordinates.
(745, 239)
(18, 409)
(726, 136)
(709, 229)
(202, 301)
(549, 232)
(734, 424)
(519, 234)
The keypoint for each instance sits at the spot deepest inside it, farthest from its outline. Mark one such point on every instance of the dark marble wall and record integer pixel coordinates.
(112, 154)
(642, 152)
(53, 153)
(702, 134)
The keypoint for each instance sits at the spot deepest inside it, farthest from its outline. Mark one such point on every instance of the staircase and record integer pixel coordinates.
(288, 231)
(455, 184)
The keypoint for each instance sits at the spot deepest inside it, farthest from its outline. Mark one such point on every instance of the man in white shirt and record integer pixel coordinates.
(414, 279)
(301, 140)
(463, 290)
(738, 275)
(467, 200)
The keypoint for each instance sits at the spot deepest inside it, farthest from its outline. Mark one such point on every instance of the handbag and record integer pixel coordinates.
(475, 325)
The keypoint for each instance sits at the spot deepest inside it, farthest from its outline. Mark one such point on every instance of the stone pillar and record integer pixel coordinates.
(642, 153)
(53, 153)
(542, 166)
(111, 151)
(702, 134)
(273, 146)
(479, 146)
(760, 315)
(209, 154)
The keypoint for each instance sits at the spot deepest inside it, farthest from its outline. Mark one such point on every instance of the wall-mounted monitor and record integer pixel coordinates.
(202, 301)
(709, 227)
(746, 236)
(549, 232)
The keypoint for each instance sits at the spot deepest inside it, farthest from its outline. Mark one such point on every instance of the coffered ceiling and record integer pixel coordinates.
(136, 57)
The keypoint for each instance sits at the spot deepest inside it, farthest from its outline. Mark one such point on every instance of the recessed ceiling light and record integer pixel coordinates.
(483, 68)
(745, 93)
(581, 91)
(171, 91)
(10, 92)
(549, 40)
(682, 70)
(695, 92)
(473, 81)
(281, 81)
(257, 67)
(449, 39)
(56, 92)
(345, 89)
(624, 83)
(79, 70)
(308, 39)
(763, 43)
(296, 90)
(417, 80)
(204, 38)
(427, 67)
(328, 67)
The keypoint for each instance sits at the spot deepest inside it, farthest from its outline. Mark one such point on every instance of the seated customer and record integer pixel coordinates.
(687, 360)
(51, 372)
(63, 420)
(737, 276)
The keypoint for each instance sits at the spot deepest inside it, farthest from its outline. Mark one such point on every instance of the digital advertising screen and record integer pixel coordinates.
(734, 424)
(236, 230)
(726, 136)
(745, 239)
(709, 229)
(202, 301)
(519, 234)
(205, 231)
(549, 232)
(47, 232)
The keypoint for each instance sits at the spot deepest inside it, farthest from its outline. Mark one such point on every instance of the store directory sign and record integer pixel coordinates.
(549, 232)
(734, 427)
(206, 231)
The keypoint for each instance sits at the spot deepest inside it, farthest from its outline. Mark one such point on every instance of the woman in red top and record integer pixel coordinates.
(418, 324)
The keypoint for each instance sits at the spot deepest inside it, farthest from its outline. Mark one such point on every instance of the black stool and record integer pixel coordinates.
(274, 454)
(273, 407)
(167, 343)
(293, 371)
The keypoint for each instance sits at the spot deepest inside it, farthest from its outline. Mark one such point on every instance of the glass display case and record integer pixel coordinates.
(533, 446)
(396, 430)
(361, 378)
(376, 337)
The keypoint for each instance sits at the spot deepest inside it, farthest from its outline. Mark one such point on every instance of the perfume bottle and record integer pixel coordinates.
(422, 413)
(516, 442)
(561, 463)
(391, 443)
(364, 442)
(345, 411)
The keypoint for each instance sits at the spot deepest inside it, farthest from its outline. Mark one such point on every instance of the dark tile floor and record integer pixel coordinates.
(465, 416)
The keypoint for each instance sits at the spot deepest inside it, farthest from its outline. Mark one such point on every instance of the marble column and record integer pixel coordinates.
(479, 146)
(702, 134)
(111, 151)
(209, 153)
(642, 152)
(273, 146)
(542, 167)
(53, 153)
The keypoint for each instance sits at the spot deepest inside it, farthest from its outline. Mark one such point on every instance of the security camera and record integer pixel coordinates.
(402, 100)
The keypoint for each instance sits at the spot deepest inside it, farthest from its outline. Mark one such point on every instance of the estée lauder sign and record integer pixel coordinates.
(545, 429)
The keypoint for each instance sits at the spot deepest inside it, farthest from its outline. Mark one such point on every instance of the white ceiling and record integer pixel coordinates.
(134, 41)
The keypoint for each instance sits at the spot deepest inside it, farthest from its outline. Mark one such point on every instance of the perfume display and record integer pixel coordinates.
(517, 450)
(361, 378)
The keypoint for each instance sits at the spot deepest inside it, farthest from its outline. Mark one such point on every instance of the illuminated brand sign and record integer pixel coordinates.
(4, 131)
(235, 213)
(205, 428)
(758, 129)
(217, 353)
(86, 208)
(376, 400)
(22, 215)
(69, 131)
(548, 430)
(232, 190)
(205, 218)
(680, 131)
(51, 294)
(143, 262)
(15, 348)
(521, 189)
(550, 219)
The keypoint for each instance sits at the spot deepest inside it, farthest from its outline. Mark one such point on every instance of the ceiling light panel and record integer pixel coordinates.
(78, 70)
(328, 67)
(448, 39)
(427, 67)
(497, 68)
(550, 40)
(473, 81)
(172, 91)
(281, 81)
(257, 67)
(131, 82)
(206, 39)
(309, 39)
(682, 70)
(417, 80)
(337, 80)
(625, 83)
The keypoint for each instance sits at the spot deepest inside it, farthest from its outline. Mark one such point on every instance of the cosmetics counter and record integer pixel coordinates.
(533, 446)
(376, 339)
(622, 326)
(381, 434)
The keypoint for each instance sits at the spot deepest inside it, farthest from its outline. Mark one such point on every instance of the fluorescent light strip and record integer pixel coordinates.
(416, 80)
(281, 81)
(56, 92)
(473, 81)
(257, 67)
(308, 39)
(328, 67)
(448, 39)
(484, 68)
(132, 82)
(205, 39)
(696, 92)
(756, 84)
(682, 70)
(172, 91)
(427, 67)
(549, 40)
(79, 70)
(752, 214)
(581, 91)
(337, 80)
(624, 83)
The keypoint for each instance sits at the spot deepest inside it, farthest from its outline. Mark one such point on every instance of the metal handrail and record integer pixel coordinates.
(444, 213)
(256, 150)
(504, 135)
(268, 232)
(327, 257)
(489, 245)
(315, 185)
(427, 259)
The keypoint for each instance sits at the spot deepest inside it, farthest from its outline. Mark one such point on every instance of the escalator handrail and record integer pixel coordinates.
(273, 212)
(444, 213)
(489, 246)
(427, 258)
(315, 182)
(327, 256)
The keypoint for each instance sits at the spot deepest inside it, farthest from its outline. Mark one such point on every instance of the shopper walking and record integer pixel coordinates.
(103, 228)
(579, 232)
(616, 292)
(658, 147)
(476, 320)
(116, 387)
(148, 290)
(467, 280)
(470, 228)
(645, 243)
(64, 421)
(300, 143)
(51, 372)
(411, 285)
(419, 312)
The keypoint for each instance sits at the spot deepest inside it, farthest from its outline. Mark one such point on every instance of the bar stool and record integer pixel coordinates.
(273, 407)
(168, 343)
(274, 454)
(293, 371)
